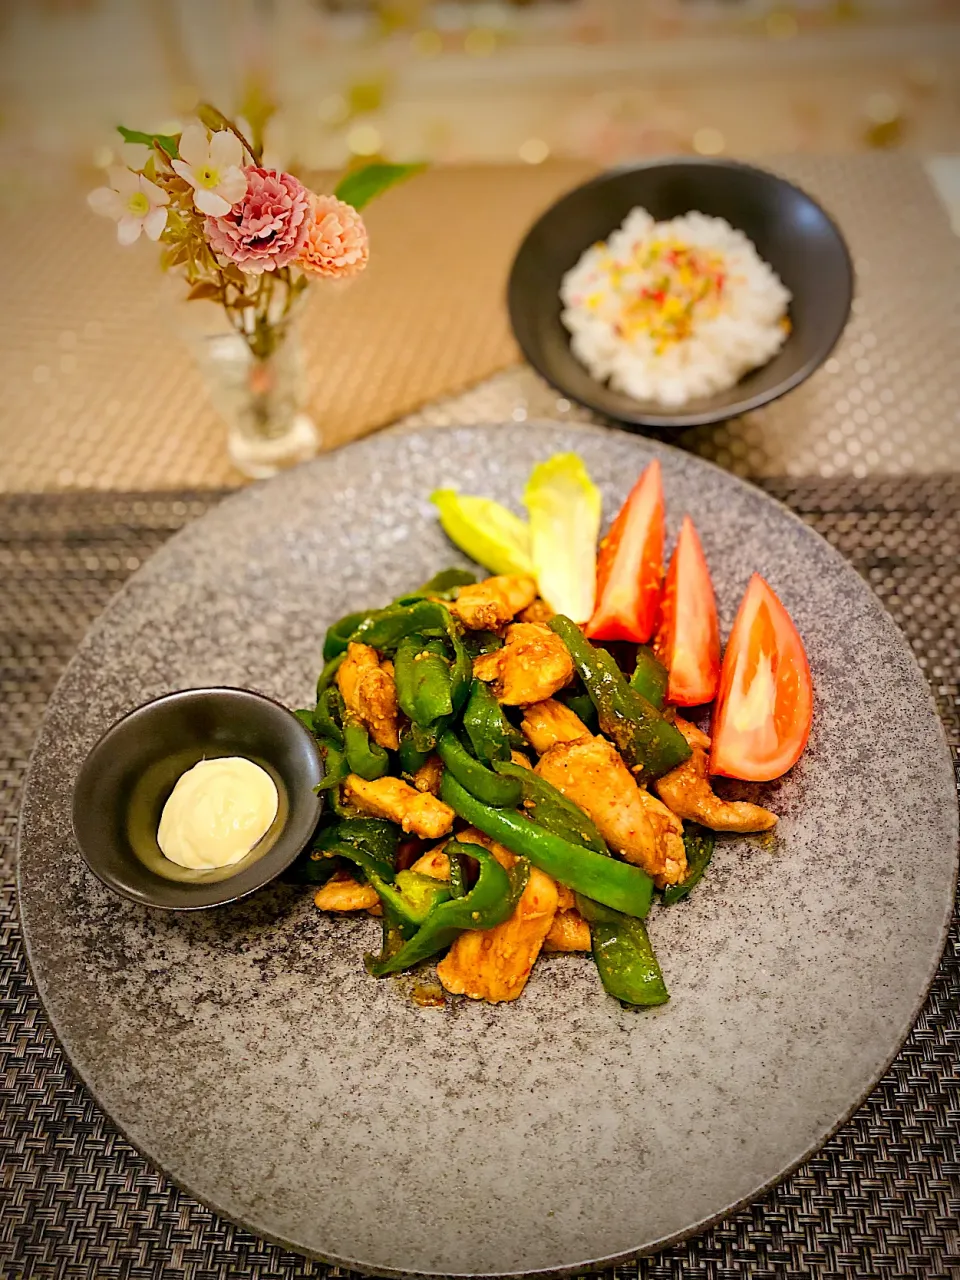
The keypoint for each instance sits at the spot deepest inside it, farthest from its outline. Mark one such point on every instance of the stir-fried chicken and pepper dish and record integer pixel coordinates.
(505, 781)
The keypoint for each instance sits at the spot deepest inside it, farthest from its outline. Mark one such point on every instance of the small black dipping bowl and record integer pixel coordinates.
(126, 779)
(789, 229)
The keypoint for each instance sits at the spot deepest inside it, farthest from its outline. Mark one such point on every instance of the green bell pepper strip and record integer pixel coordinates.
(616, 884)
(305, 716)
(481, 782)
(385, 629)
(328, 715)
(478, 643)
(410, 756)
(699, 844)
(444, 585)
(625, 959)
(407, 897)
(335, 767)
(421, 672)
(650, 677)
(491, 734)
(581, 705)
(311, 867)
(458, 882)
(340, 633)
(650, 745)
(365, 758)
(550, 808)
(374, 836)
(329, 673)
(489, 902)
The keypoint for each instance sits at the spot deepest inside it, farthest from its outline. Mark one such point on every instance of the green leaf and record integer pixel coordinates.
(361, 186)
(163, 140)
(485, 530)
(564, 508)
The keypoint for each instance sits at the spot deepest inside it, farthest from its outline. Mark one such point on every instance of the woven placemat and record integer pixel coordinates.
(881, 1200)
(101, 391)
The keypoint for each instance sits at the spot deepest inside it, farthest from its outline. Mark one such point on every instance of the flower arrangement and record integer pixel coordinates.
(248, 237)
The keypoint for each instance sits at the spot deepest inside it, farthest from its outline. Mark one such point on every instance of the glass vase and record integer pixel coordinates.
(261, 398)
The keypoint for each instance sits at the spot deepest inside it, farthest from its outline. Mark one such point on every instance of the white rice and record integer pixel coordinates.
(738, 327)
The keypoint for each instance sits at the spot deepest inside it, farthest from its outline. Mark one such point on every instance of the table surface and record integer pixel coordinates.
(102, 391)
(102, 396)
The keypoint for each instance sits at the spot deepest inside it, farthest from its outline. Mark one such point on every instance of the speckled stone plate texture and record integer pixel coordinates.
(249, 1055)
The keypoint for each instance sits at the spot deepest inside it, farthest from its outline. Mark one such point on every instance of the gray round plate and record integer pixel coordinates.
(247, 1053)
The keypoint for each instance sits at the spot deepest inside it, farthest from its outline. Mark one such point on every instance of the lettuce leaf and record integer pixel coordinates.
(486, 531)
(564, 507)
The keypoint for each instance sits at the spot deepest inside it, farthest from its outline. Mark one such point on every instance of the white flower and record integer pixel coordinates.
(134, 202)
(212, 167)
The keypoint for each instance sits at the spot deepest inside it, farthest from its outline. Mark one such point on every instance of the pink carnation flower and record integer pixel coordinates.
(336, 243)
(267, 228)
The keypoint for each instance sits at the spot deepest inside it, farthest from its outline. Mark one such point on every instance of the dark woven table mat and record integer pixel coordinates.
(882, 1199)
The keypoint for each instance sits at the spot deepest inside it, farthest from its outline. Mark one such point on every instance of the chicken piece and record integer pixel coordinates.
(343, 893)
(369, 693)
(433, 863)
(688, 792)
(517, 757)
(539, 611)
(566, 898)
(429, 775)
(532, 665)
(549, 722)
(591, 773)
(668, 834)
(417, 812)
(494, 964)
(569, 932)
(489, 605)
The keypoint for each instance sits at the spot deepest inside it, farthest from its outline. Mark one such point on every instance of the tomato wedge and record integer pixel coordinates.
(762, 718)
(630, 566)
(688, 637)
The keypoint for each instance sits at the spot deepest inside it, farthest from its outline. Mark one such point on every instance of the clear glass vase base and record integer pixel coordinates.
(261, 457)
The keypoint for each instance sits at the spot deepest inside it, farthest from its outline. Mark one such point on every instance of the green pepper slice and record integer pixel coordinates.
(649, 743)
(328, 715)
(650, 677)
(365, 758)
(341, 632)
(699, 844)
(410, 756)
(550, 808)
(478, 643)
(488, 903)
(624, 956)
(490, 787)
(581, 705)
(329, 673)
(491, 734)
(421, 673)
(443, 585)
(616, 884)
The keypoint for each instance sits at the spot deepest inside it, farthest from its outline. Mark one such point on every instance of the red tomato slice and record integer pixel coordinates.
(688, 637)
(630, 566)
(762, 718)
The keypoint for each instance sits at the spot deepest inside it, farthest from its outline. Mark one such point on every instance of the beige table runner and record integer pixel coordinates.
(101, 391)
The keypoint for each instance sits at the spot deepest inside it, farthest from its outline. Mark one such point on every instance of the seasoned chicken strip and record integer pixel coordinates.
(429, 775)
(688, 793)
(549, 722)
(369, 693)
(343, 893)
(489, 605)
(569, 932)
(539, 611)
(417, 812)
(517, 757)
(591, 773)
(494, 964)
(532, 665)
(433, 863)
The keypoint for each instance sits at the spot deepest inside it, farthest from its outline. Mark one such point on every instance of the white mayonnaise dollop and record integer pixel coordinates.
(217, 812)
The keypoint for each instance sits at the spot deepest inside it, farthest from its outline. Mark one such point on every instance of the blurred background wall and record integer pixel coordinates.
(487, 80)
